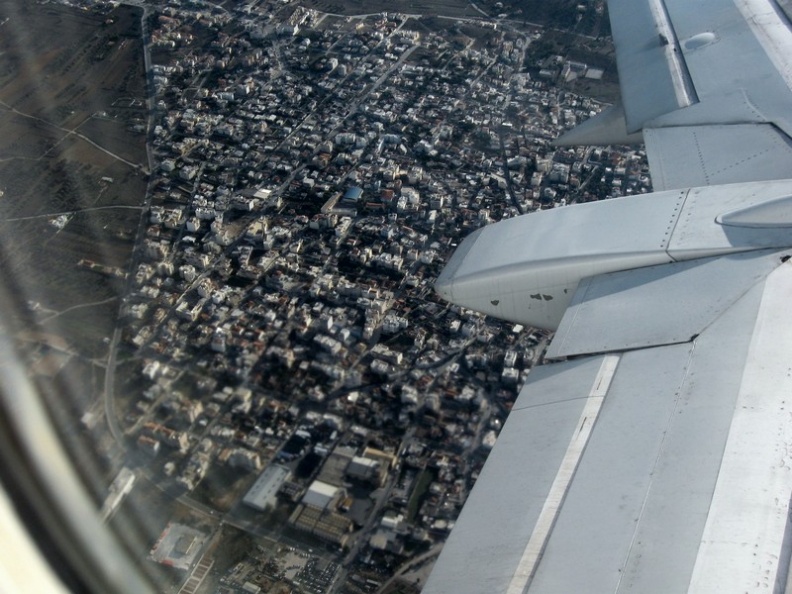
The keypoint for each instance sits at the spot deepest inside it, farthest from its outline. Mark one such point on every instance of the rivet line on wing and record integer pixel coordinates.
(547, 517)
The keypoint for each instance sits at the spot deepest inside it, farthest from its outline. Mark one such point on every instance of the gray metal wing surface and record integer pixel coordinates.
(653, 452)
(708, 83)
(659, 457)
(661, 463)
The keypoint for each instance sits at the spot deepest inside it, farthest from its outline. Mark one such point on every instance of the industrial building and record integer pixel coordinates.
(264, 491)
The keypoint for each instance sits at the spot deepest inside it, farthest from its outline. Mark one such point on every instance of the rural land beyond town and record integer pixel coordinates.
(220, 226)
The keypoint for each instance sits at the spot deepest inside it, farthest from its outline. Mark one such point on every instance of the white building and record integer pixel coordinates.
(263, 492)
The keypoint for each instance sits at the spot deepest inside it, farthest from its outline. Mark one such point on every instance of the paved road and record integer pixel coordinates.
(49, 215)
(109, 384)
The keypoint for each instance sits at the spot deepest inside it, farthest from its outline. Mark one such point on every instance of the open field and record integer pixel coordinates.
(62, 64)
(24, 138)
(113, 133)
(587, 19)
(69, 192)
(71, 189)
(40, 264)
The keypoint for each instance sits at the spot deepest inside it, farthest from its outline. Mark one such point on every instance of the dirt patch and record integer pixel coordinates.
(114, 134)
(63, 64)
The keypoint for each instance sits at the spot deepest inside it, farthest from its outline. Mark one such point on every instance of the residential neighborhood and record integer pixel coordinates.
(284, 375)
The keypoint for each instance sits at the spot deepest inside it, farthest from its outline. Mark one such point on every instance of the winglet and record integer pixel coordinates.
(607, 127)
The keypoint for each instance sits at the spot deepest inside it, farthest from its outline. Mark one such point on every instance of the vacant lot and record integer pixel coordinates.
(115, 134)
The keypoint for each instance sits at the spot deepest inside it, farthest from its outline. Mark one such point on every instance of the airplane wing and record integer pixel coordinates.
(653, 453)
(708, 83)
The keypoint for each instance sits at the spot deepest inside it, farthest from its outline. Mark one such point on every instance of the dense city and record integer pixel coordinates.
(285, 372)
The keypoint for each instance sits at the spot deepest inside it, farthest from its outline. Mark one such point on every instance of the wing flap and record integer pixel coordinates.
(653, 77)
(690, 156)
(634, 517)
(490, 538)
(656, 492)
(704, 63)
(750, 508)
(709, 83)
(620, 311)
(738, 56)
(605, 505)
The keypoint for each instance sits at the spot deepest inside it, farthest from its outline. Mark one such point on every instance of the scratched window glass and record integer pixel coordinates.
(220, 228)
